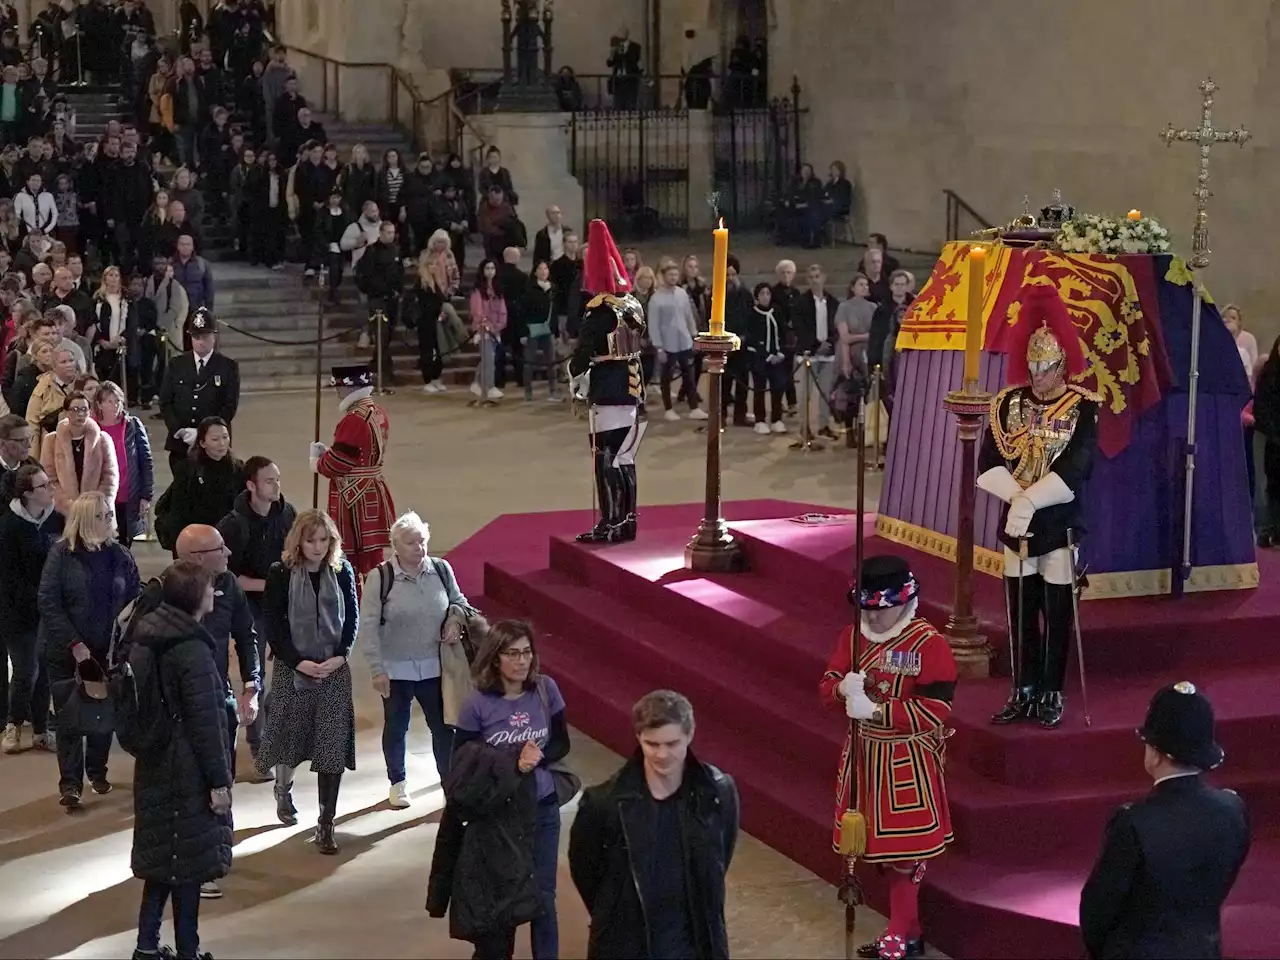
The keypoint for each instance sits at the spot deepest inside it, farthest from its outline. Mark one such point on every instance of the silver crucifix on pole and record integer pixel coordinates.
(1205, 136)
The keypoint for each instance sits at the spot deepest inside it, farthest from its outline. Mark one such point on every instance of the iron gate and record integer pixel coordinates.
(634, 169)
(755, 153)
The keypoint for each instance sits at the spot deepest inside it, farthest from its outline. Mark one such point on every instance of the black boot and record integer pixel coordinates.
(286, 812)
(328, 784)
(1059, 627)
(629, 507)
(608, 496)
(1022, 703)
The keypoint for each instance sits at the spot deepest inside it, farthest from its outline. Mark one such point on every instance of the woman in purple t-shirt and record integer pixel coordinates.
(516, 708)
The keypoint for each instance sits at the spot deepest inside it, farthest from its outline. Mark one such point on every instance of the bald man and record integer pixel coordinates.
(230, 619)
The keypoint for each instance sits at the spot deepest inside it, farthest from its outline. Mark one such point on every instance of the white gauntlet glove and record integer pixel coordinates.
(859, 706)
(1021, 510)
(850, 683)
(187, 435)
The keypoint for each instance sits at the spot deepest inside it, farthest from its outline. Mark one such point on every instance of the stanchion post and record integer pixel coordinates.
(873, 409)
(806, 441)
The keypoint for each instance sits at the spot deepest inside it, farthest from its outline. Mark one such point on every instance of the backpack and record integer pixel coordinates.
(143, 721)
(163, 512)
(387, 580)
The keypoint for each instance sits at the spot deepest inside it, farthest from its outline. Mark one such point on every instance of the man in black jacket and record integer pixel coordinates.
(254, 532)
(201, 383)
(814, 323)
(126, 194)
(548, 243)
(1168, 861)
(380, 277)
(566, 277)
(738, 306)
(650, 847)
(513, 284)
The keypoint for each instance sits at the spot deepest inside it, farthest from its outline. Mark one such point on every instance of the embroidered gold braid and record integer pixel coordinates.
(1032, 441)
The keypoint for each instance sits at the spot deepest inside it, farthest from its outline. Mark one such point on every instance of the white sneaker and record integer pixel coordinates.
(698, 414)
(308, 272)
(495, 394)
(363, 342)
(555, 398)
(210, 891)
(475, 388)
(779, 427)
(399, 796)
(429, 388)
(671, 415)
(45, 742)
(11, 742)
(761, 427)
(439, 385)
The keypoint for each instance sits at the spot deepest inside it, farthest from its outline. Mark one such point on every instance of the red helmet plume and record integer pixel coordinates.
(603, 270)
(1042, 308)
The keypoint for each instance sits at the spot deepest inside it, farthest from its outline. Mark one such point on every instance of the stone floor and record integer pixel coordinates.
(65, 886)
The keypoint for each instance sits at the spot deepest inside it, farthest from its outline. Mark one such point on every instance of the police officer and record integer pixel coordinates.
(1168, 861)
(199, 384)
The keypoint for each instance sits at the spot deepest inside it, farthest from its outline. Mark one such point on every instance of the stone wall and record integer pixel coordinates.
(1000, 98)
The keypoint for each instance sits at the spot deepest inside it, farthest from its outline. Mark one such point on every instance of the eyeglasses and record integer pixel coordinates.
(525, 653)
(83, 411)
(41, 486)
(220, 548)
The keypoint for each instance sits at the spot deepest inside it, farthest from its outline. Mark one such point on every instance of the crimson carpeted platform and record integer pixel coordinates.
(1028, 805)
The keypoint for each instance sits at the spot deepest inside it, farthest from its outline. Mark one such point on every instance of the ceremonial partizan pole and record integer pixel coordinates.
(853, 824)
(315, 477)
(1205, 136)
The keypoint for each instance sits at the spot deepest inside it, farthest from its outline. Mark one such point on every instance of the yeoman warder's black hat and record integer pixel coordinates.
(1180, 725)
(354, 375)
(887, 581)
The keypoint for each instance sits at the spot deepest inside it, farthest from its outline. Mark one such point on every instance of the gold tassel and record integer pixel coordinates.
(853, 834)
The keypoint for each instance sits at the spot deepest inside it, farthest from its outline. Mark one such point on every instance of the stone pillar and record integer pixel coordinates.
(535, 148)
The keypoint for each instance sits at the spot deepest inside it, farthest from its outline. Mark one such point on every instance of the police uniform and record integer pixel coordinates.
(606, 369)
(900, 697)
(1036, 457)
(1169, 860)
(192, 390)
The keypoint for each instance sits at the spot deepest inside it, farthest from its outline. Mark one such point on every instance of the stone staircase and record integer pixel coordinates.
(377, 137)
(93, 107)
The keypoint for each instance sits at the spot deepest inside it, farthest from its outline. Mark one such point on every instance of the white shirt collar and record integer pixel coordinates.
(1175, 776)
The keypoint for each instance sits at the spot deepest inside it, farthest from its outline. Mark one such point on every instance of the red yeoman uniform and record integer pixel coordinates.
(359, 500)
(900, 697)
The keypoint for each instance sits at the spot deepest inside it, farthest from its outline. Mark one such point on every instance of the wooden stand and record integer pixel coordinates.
(973, 655)
(713, 548)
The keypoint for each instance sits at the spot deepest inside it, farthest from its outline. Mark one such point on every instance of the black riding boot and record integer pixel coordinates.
(1022, 703)
(629, 496)
(1059, 625)
(328, 784)
(608, 496)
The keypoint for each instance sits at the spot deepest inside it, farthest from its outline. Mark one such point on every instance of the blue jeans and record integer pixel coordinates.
(186, 917)
(545, 930)
(397, 711)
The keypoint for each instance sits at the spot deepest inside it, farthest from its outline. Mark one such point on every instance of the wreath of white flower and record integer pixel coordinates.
(1094, 233)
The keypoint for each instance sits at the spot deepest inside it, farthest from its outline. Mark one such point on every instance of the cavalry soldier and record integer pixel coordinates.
(608, 360)
(199, 384)
(900, 696)
(359, 500)
(1036, 457)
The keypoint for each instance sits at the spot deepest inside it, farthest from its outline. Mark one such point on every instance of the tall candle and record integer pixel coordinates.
(719, 280)
(973, 323)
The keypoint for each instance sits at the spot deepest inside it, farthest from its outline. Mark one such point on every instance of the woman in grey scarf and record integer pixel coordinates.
(312, 614)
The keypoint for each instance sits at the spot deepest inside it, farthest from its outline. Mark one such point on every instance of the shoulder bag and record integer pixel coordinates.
(568, 784)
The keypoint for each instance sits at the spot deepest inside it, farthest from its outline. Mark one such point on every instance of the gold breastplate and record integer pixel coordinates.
(1033, 434)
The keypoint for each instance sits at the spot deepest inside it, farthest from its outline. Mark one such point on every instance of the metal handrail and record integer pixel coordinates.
(411, 112)
(955, 205)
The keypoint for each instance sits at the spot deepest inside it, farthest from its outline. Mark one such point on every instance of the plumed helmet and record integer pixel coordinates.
(1043, 333)
(602, 268)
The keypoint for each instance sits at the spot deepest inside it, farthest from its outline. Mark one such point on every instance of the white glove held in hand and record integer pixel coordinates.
(1021, 510)
(317, 450)
(851, 682)
(187, 435)
(859, 706)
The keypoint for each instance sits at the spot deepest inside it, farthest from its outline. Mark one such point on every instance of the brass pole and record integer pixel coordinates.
(315, 477)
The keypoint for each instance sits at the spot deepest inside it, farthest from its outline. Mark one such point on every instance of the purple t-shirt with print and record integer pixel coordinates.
(509, 723)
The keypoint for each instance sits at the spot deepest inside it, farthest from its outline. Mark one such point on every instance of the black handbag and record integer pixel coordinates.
(87, 711)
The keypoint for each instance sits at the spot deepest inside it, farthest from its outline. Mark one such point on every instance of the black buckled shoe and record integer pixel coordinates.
(1020, 706)
(1051, 709)
(875, 949)
(628, 525)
